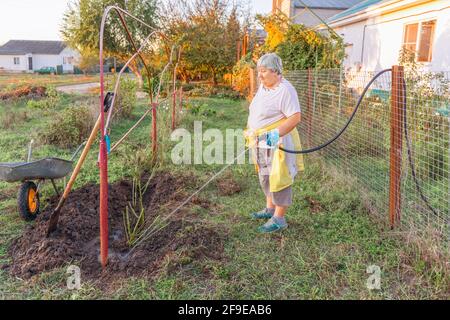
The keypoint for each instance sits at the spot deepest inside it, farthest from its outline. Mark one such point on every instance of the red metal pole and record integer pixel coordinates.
(103, 163)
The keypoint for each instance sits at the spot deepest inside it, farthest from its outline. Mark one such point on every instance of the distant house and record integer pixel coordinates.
(375, 31)
(31, 55)
(298, 13)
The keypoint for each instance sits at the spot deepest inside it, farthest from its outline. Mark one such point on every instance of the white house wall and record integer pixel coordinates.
(67, 52)
(7, 63)
(383, 37)
(45, 60)
(40, 61)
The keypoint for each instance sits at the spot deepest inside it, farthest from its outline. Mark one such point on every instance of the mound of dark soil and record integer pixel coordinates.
(228, 186)
(77, 237)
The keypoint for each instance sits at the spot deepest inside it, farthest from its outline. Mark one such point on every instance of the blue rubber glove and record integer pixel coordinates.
(272, 137)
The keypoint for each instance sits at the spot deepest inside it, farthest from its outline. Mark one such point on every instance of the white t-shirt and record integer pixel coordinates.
(271, 105)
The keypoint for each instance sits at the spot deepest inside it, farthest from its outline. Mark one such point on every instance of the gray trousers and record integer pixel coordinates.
(281, 198)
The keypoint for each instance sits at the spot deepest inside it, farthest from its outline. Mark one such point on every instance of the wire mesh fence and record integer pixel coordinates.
(398, 159)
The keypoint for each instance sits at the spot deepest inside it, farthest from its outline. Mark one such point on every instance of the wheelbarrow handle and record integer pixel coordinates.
(30, 150)
(77, 151)
(53, 222)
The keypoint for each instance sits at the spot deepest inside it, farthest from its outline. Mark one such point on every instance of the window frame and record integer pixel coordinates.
(18, 61)
(419, 38)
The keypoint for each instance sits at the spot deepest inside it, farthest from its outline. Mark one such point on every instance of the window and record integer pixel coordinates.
(410, 40)
(16, 60)
(418, 38)
(426, 41)
(67, 60)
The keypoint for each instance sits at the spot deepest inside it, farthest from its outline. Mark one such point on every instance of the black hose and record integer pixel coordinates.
(410, 159)
(346, 125)
(405, 125)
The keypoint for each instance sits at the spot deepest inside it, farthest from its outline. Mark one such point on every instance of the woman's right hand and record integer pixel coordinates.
(250, 137)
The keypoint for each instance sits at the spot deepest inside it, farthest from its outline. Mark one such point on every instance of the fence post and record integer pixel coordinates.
(397, 98)
(309, 107)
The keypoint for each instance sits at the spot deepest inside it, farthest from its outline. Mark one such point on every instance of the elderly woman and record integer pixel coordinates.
(273, 116)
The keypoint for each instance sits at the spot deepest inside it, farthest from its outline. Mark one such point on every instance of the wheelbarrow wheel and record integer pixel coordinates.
(28, 201)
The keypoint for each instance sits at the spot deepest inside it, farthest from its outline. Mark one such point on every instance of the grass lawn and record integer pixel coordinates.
(7, 80)
(324, 254)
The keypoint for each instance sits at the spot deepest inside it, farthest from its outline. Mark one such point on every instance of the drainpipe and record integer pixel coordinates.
(363, 41)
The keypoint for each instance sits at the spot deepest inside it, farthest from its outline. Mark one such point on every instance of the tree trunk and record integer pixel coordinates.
(135, 69)
(214, 78)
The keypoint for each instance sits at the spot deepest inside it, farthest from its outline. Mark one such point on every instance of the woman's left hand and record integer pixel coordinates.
(273, 137)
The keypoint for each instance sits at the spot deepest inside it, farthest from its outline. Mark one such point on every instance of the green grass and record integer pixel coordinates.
(13, 80)
(324, 254)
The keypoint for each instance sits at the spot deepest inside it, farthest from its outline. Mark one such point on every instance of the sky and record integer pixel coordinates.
(41, 19)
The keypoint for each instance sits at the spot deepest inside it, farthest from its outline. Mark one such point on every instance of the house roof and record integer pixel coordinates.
(32, 46)
(326, 4)
(355, 9)
(260, 33)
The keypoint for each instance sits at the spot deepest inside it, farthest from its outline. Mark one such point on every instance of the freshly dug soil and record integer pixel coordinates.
(77, 237)
(228, 186)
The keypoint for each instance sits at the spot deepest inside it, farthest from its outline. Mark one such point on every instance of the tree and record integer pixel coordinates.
(81, 27)
(88, 61)
(208, 31)
(298, 46)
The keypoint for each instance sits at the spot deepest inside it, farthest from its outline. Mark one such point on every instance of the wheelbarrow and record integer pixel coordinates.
(32, 174)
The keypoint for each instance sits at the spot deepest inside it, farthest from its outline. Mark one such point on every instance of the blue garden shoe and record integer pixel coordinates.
(272, 226)
(263, 214)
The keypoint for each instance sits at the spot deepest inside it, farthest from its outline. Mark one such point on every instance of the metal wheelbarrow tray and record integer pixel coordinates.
(49, 168)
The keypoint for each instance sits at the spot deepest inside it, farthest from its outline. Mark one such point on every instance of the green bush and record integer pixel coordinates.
(205, 90)
(50, 101)
(69, 128)
(201, 110)
(188, 87)
(125, 101)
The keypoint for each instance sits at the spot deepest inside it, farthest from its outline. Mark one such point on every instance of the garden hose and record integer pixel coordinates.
(410, 159)
(405, 126)
(317, 148)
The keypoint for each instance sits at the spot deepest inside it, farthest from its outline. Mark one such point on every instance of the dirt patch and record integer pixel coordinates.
(228, 186)
(314, 205)
(25, 91)
(77, 237)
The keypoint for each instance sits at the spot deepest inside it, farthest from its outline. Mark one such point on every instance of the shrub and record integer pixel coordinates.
(201, 110)
(241, 76)
(126, 99)
(205, 90)
(15, 92)
(50, 101)
(188, 87)
(69, 128)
